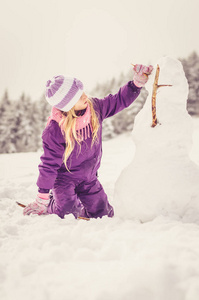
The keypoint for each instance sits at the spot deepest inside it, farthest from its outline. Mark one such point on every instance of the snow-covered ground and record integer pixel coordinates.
(47, 258)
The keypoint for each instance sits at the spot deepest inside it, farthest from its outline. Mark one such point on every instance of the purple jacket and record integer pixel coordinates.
(83, 165)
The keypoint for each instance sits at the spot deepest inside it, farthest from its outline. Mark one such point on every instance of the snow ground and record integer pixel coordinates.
(48, 258)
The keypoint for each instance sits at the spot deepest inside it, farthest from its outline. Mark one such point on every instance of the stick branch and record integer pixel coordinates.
(155, 87)
(154, 93)
(81, 218)
(159, 85)
(20, 204)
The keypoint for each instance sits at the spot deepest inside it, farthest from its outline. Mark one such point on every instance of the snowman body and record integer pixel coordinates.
(161, 179)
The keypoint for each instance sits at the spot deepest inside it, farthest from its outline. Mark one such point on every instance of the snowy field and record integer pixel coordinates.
(47, 258)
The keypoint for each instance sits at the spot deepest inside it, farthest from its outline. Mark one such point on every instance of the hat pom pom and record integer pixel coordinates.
(79, 84)
(48, 83)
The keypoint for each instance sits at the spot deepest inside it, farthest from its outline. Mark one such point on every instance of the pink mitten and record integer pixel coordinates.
(141, 74)
(39, 206)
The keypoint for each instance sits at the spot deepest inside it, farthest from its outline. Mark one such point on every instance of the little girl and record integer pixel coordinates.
(72, 143)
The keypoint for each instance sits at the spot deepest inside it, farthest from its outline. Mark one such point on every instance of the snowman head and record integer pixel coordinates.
(171, 73)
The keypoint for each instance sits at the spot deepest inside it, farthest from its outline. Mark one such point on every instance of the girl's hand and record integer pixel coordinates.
(39, 206)
(141, 74)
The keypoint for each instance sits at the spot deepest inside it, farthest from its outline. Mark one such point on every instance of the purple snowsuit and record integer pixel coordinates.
(81, 186)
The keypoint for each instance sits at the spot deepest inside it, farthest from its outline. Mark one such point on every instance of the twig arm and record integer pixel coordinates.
(154, 93)
(160, 85)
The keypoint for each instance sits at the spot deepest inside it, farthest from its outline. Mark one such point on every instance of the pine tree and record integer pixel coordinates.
(37, 124)
(4, 102)
(191, 69)
(44, 110)
(7, 127)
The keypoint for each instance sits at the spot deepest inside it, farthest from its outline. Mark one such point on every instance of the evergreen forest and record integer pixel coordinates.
(22, 121)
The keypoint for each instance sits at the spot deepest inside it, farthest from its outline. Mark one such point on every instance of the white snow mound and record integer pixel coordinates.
(161, 179)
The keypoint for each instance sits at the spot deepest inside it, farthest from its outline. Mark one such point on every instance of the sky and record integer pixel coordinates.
(88, 39)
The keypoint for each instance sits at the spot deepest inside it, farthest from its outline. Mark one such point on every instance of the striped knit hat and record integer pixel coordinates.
(63, 92)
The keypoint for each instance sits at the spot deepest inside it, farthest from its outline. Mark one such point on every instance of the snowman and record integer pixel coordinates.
(161, 179)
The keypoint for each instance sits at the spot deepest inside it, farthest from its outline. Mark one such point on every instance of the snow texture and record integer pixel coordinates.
(162, 179)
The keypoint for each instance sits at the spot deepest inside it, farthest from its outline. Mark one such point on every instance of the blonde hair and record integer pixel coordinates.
(68, 124)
